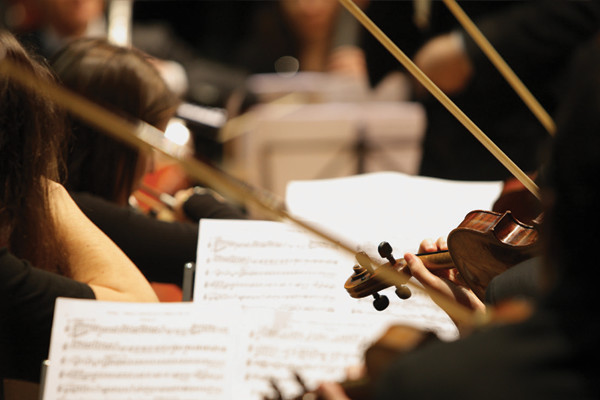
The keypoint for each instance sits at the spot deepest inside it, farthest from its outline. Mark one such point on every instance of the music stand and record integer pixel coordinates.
(189, 272)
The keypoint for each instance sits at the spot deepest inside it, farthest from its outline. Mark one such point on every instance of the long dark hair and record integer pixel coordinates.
(124, 81)
(32, 131)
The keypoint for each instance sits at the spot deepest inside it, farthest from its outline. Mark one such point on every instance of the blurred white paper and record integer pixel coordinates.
(389, 206)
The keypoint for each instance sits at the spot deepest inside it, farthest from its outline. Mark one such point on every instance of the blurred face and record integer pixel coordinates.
(311, 19)
(71, 17)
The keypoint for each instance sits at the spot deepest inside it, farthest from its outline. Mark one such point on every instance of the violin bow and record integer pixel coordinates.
(144, 137)
(505, 70)
(441, 96)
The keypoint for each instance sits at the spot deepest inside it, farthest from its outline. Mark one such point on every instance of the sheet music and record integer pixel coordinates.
(275, 264)
(263, 262)
(110, 350)
(389, 206)
(317, 345)
(181, 351)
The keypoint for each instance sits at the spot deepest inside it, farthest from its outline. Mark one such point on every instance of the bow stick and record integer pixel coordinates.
(441, 96)
(502, 67)
(144, 137)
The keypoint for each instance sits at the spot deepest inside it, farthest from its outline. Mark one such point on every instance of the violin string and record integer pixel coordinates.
(442, 97)
(214, 178)
(505, 70)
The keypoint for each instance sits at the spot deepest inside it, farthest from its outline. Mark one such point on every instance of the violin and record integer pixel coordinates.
(484, 245)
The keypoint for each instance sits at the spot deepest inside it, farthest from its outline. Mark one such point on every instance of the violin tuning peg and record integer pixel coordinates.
(385, 251)
(381, 302)
(403, 292)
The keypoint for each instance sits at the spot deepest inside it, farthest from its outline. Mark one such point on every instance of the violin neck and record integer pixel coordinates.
(437, 260)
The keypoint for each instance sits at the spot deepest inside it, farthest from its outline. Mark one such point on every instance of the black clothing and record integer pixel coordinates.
(27, 297)
(395, 19)
(536, 359)
(269, 38)
(555, 354)
(537, 41)
(521, 281)
(535, 38)
(159, 249)
(205, 205)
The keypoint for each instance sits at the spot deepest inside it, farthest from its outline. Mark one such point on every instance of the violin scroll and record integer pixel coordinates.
(368, 281)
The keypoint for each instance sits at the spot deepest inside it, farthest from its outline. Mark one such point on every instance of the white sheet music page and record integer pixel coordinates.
(318, 346)
(111, 350)
(281, 266)
(389, 206)
(268, 264)
(394, 207)
(319, 330)
(184, 351)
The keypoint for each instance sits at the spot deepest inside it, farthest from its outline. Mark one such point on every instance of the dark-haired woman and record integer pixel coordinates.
(103, 172)
(41, 225)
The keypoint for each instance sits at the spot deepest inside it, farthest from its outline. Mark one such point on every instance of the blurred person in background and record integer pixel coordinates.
(103, 172)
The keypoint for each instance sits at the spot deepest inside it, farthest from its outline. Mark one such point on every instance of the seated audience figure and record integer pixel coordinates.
(552, 352)
(48, 247)
(190, 69)
(307, 31)
(103, 172)
(61, 21)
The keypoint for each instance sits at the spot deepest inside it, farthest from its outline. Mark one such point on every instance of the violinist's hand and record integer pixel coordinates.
(446, 282)
(429, 246)
(331, 391)
(180, 198)
(444, 60)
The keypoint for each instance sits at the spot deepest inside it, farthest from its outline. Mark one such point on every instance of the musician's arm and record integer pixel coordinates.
(532, 38)
(92, 257)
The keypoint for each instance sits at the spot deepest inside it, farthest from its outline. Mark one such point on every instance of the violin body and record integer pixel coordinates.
(487, 243)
